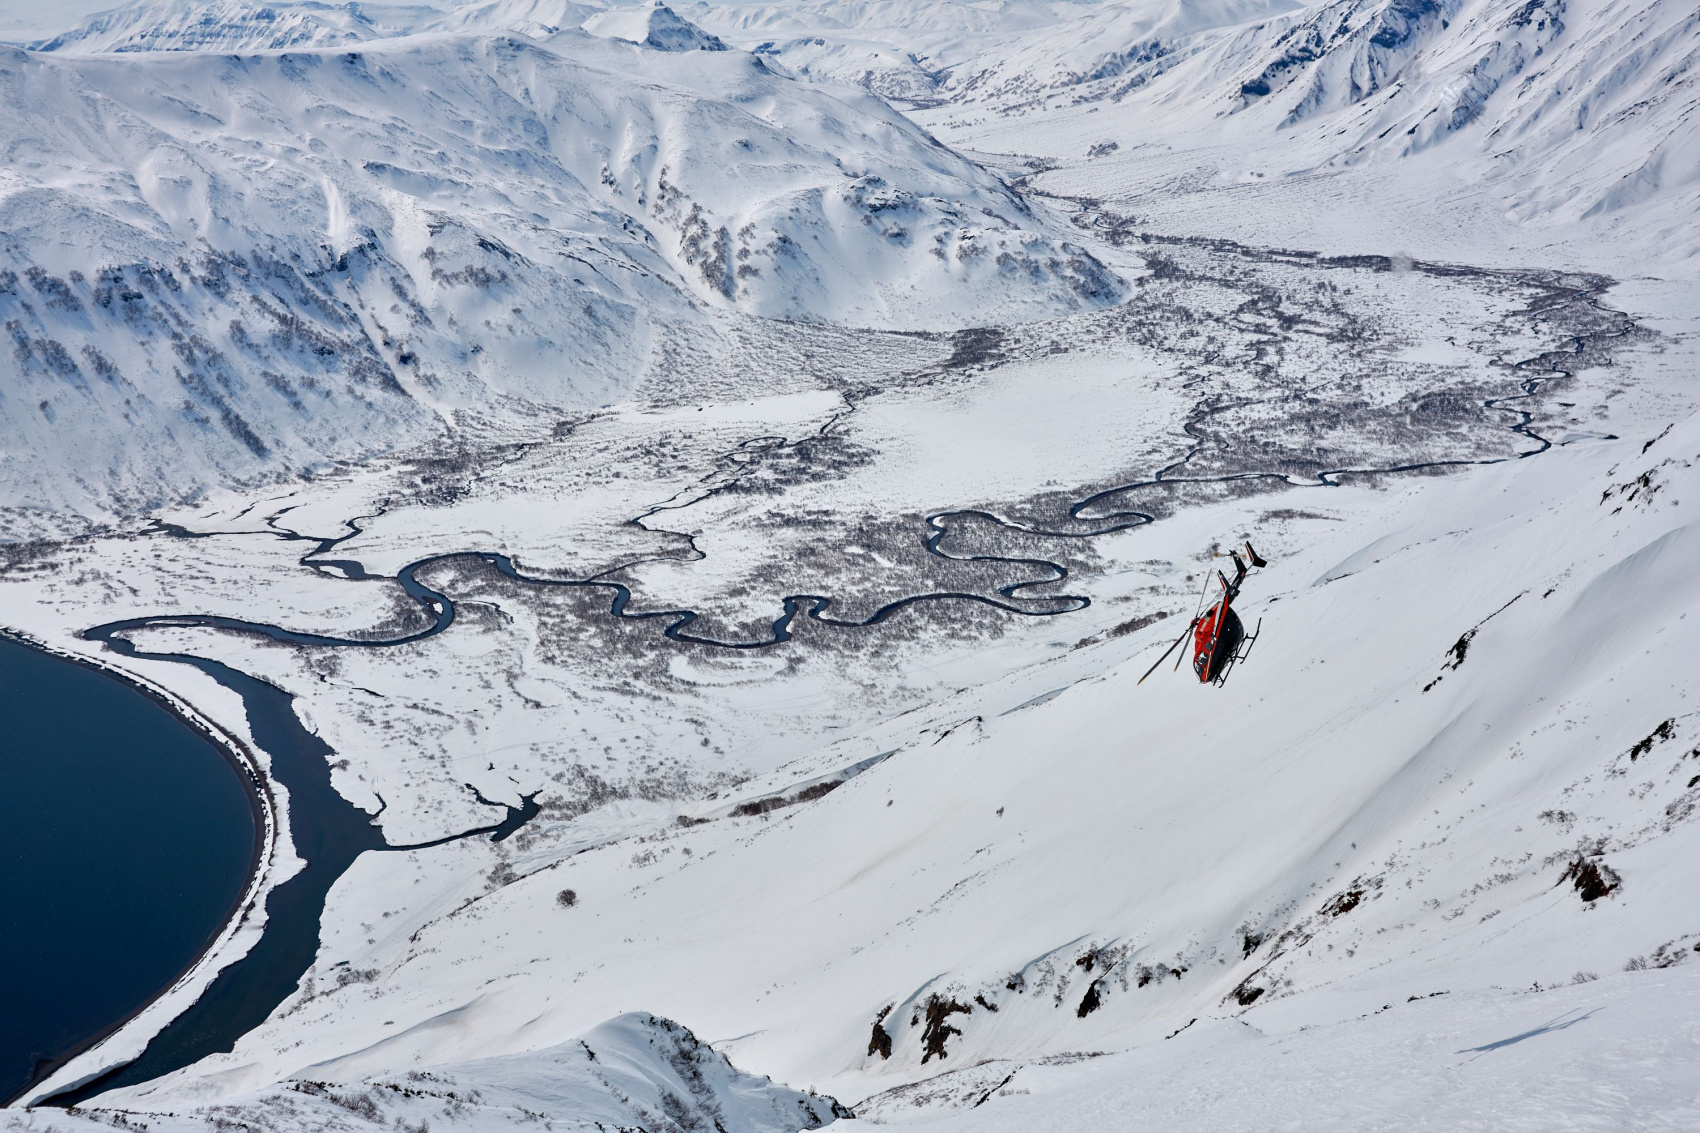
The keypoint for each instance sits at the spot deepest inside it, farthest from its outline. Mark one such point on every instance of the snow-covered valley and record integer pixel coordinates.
(772, 495)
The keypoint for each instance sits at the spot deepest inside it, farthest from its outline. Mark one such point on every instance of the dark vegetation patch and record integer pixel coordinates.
(938, 1030)
(1667, 955)
(807, 794)
(1663, 732)
(1639, 491)
(1342, 903)
(880, 1042)
(1591, 877)
(1146, 974)
(1246, 994)
(976, 346)
(1090, 1002)
(1133, 625)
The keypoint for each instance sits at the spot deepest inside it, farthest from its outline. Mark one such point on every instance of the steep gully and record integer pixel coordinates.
(330, 833)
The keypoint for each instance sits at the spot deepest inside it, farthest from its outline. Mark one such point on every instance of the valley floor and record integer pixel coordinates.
(859, 783)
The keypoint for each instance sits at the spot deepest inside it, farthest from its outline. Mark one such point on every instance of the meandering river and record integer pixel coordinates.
(127, 837)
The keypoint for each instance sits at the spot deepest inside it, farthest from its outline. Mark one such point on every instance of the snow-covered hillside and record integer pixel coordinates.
(252, 265)
(1459, 763)
(771, 496)
(1555, 114)
(657, 27)
(228, 25)
(632, 1072)
(898, 49)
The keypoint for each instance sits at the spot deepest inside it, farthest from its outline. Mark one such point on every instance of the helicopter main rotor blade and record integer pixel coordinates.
(1166, 652)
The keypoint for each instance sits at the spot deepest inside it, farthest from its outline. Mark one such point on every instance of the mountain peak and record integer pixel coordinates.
(655, 26)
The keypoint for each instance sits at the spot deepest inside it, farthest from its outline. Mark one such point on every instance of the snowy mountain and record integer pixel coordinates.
(253, 265)
(896, 49)
(1559, 112)
(538, 19)
(657, 27)
(1115, 46)
(632, 1072)
(763, 449)
(231, 25)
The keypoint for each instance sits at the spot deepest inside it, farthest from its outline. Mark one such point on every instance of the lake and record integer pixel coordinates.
(126, 839)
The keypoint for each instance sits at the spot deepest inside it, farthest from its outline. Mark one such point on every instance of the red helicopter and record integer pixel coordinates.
(1219, 639)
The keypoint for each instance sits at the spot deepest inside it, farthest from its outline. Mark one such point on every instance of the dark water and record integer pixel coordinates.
(328, 832)
(126, 839)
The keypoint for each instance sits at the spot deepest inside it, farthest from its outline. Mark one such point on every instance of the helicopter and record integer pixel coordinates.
(1219, 639)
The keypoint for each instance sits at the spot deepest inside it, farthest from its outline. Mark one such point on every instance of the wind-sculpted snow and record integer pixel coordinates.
(254, 264)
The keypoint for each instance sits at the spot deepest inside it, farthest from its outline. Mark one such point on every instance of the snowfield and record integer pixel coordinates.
(762, 447)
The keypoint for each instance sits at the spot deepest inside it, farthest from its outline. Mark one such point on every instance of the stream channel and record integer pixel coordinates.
(329, 832)
(148, 844)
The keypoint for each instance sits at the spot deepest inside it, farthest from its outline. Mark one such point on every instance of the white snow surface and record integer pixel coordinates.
(473, 278)
(1611, 1054)
(1165, 852)
(250, 265)
(655, 26)
(1571, 118)
(632, 1072)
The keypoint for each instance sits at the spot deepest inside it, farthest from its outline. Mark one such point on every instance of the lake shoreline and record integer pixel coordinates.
(268, 828)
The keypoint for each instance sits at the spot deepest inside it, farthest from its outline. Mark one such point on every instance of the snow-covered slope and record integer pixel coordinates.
(917, 17)
(890, 72)
(248, 265)
(633, 1072)
(896, 48)
(536, 18)
(233, 25)
(1555, 112)
(955, 863)
(1461, 758)
(1110, 42)
(1612, 1053)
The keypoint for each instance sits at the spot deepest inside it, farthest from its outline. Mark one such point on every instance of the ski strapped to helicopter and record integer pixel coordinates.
(1219, 639)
